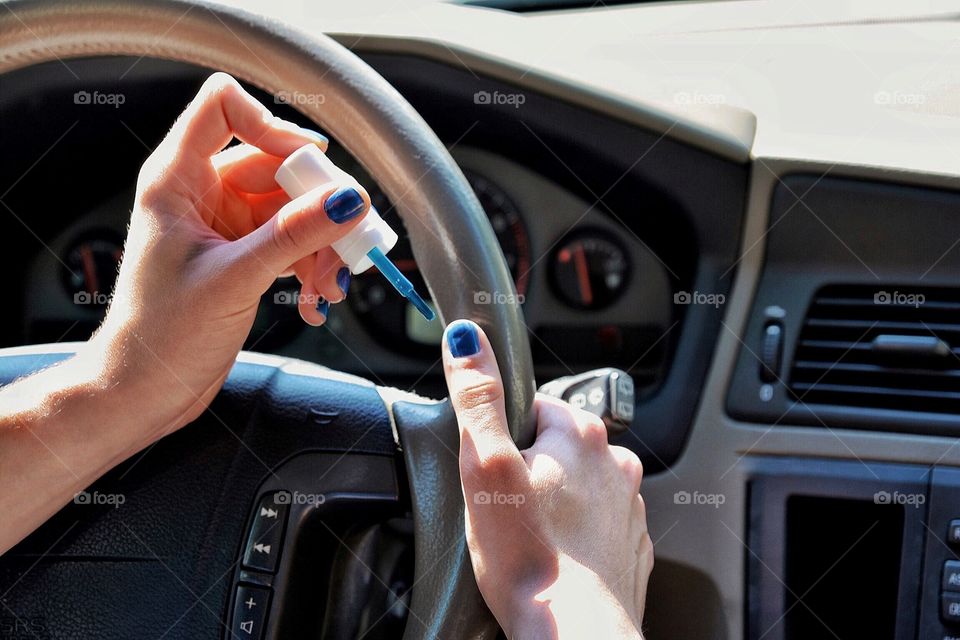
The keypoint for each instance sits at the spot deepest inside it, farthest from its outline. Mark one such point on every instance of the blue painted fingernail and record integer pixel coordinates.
(318, 138)
(344, 205)
(462, 338)
(343, 279)
(323, 307)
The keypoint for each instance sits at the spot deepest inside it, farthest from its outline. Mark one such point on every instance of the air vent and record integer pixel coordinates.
(880, 348)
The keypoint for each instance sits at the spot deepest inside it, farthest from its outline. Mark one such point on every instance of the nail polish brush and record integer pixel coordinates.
(367, 244)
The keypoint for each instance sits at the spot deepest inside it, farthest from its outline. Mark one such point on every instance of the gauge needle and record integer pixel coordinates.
(89, 269)
(406, 265)
(583, 274)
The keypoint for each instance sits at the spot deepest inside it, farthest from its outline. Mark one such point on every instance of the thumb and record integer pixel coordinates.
(487, 452)
(301, 227)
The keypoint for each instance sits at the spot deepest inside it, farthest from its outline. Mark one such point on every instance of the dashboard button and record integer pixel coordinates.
(250, 609)
(951, 575)
(953, 533)
(265, 539)
(771, 352)
(950, 607)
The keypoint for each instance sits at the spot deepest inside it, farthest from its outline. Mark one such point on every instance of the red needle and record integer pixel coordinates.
(583, 275)
(89, 269)
(405, 265)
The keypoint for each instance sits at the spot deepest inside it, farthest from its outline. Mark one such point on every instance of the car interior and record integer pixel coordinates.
(750, 209)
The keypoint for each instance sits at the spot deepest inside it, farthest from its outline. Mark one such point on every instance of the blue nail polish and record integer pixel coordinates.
(463, 339)
(318, 138)
(344, 205)
(323, 307)
(343, 279)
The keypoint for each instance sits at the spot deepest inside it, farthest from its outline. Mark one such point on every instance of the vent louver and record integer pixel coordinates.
(880, 348)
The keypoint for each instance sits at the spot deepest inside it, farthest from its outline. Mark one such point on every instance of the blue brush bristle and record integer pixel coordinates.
(421, 305)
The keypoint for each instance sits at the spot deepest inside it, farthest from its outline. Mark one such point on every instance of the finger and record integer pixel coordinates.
(265, 206)
(476, 393)
(553, 414)
(331, 277)
(557, 417)
(313, 307)
(246, 169)
(304, 267)
(301, 227)
(223, 110)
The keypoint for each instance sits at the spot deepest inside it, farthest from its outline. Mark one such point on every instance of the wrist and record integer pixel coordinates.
(144, 400)
(575, 604)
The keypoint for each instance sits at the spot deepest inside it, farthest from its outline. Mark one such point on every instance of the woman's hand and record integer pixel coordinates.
(557, 533)
(210, 232)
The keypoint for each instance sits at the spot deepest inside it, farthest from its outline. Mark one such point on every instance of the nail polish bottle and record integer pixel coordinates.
(367, 244)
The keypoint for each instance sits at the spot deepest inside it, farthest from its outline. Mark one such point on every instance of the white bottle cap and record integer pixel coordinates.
(307, 169)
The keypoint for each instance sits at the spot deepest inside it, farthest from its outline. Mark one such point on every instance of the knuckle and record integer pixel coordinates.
(630, 463)
(496, 465)
(479, 393)
(492, 471)
(647, 551)
(283, 237)
(593, 431)
(218, 82)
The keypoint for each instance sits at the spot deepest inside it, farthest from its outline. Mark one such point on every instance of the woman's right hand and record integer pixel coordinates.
(557, 533)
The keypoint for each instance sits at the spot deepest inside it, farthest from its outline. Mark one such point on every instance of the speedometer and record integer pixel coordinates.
(390, 318)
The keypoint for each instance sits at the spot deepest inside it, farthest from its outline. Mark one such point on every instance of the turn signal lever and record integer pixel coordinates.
(608, 393)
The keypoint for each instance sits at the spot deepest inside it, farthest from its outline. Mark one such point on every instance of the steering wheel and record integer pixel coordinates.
(452, 240)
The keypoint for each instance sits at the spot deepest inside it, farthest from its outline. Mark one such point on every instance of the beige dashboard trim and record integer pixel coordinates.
(727, 132)
(718, 451)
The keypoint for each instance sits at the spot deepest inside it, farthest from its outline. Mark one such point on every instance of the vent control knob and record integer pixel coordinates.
(771, 352)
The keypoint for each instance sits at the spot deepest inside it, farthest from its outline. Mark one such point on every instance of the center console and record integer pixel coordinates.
(844, 549)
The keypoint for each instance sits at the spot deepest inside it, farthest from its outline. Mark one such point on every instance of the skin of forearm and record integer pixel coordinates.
(61, 429)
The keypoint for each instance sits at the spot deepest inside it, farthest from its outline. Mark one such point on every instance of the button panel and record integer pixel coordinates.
(250, 608)
(265, 539)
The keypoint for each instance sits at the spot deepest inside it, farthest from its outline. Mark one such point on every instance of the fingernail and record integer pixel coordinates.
(318, 138)
(344, 204)
(323, 307)
(462, 338)
(343, 279)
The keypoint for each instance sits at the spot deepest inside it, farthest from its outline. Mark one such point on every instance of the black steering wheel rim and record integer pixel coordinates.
(452, 240)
